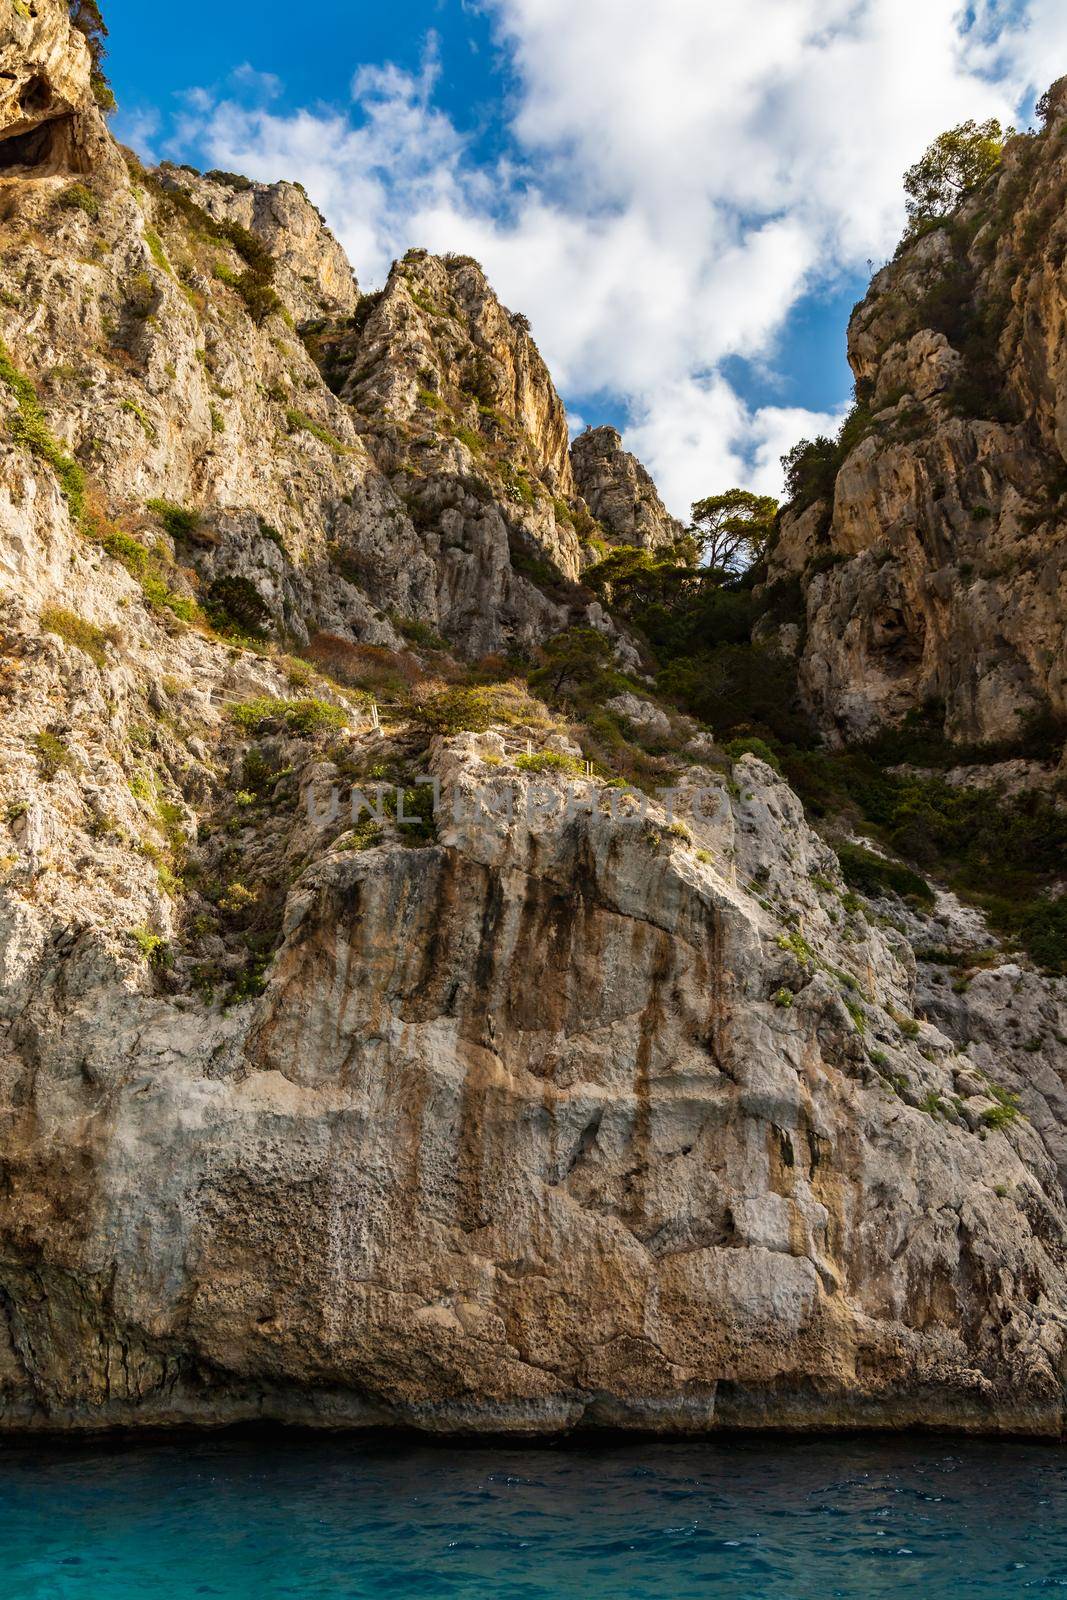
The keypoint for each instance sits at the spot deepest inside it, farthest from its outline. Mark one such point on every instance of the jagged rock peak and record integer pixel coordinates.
(619, 491)
(437, 337)
(929, 546)
(313, 275)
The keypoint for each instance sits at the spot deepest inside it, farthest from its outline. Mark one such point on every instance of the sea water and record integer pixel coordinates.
(286, 1515)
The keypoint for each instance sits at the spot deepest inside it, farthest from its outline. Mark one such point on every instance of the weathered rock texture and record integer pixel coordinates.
(568, 1114)
(619, 491)
(314, 277)
(540, 1124)
(938, 570)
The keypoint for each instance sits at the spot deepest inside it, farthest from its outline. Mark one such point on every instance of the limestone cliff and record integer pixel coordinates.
(158, 313)
(619, 491)
(560, 1105)
(931, 553)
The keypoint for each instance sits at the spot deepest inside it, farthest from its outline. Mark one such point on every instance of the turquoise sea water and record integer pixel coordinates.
(277, 1515)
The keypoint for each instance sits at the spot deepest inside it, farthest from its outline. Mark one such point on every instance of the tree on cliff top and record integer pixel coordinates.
(957, 162)
(732, 529)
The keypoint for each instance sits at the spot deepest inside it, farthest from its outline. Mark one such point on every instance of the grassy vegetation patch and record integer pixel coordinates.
(551, 761)
(477, 708)
(52, 754)
(754, 747)
(30, 428)
(75, 630)
(300, 422)
(1004, 853)
(77, 197)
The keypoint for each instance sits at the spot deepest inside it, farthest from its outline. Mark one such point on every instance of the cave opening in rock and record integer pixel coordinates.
(46, 146)
(897, 642)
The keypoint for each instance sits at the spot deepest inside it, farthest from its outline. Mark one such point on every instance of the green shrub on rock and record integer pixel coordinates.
(550, 761)
(1043, 930)
(306, 718)
(753, 747)
(234, 604)
(179, 521)
(77, 197)
(53, 757)
(475, 709)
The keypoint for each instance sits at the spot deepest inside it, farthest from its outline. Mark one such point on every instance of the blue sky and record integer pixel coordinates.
(151, 59)
(683, 197)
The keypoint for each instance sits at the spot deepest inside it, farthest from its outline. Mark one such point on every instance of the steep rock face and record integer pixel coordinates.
(314, 278)
(517, 1137)
(619, 491)
(938, 570)
(159, 382)
(457, 407)
(44, 71)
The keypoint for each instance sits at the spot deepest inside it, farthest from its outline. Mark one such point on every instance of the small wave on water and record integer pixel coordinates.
(346, 1518)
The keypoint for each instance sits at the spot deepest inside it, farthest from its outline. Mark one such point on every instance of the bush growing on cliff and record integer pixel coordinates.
(53, 757)
(30, 428)
(972, 323)
(260, 298)
(231, 180)
(371, 669)
(1000, 851)
(550, 761)
(1043, 930)
(300, 422)
(739, 689)
(810, 469)
(179, 521)
(77, 197)
(305, 718)
(417, 632)
(753, 747)
(234, 605)
(86, 17)
(475, 709)
(873, 875)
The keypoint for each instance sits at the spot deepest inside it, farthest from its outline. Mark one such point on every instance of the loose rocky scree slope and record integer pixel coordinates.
(500, 1123)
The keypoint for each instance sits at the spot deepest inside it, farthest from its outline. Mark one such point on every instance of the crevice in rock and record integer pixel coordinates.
(36, 97)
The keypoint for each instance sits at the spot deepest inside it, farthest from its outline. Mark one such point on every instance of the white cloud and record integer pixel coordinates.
(699, 433)
(682, 174)
(263, 85)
